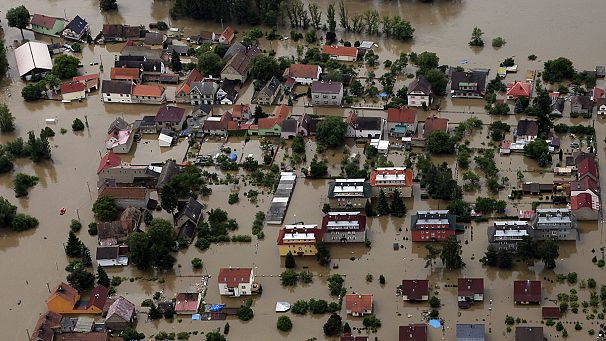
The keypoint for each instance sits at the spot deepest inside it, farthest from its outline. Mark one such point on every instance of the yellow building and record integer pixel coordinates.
(299, 239)
(64, 299)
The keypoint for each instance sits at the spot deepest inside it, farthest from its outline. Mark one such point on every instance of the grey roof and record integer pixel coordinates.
(118, 124)
(77, 25)
(122, 308)
(584, 101)
(368, 123)
(239, 62)
(147, 65)
(153, 38)
(180, 49)
(233, 50)
(229, 87)
(420, 84)
(271, 87)
(192, 210)
(558, 105)
(169, 169)
(326, 87)
(205, 108)
(527, 128)
(107, 252)
(289, 125)
(204, 88)
(470, 332)
(116, 87)
(366, 188)
(141, 51)
(169, 113)
(472, 76)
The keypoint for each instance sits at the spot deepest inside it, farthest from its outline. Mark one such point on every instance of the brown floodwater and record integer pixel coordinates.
(29, 260)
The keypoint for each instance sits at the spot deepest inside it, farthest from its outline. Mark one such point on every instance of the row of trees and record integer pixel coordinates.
(528, 250)
(251, 12)
(397, 207)
(449, 253)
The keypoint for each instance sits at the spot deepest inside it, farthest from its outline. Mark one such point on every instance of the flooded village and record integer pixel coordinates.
(398, 170)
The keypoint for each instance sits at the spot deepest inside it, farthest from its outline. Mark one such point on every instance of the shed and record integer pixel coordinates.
(550, 313)
(33, 57)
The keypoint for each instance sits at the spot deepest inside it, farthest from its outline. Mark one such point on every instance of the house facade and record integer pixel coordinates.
(580, 105)
(169, 117)
(121, 315)
(76, 29)
(184, 88)
(554, 224)
(236, 282)
(432, 226)
(117, 91)
(326, 93)
(113, 255)
(237, 68)
(303, 73)
(72, 91)
(505, 235)
(468, 84)
(390, 179)
(46, 25)
(364, 127)
(349, 194)
(420, 93)
(270, 91)
(299, 239)
(344, 227)
(203, 92)
(401, 121)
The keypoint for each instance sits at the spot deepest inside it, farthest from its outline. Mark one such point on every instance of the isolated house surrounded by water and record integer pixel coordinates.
(470, 290)
(236, 282)
(349, 194)
(415, 290)
(518, 89)
(91, 81)
(49, 26)
(187, 303)
(413, 332)
(527, 292)
(121, 314)
(358, 304)
(344, 227)
(420, 93)
(529, 334)
(187, 219)
(468, 84)
(341, 53)
(299, 239)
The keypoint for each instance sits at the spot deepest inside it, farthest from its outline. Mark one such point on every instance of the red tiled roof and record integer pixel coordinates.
(86, 77)
(527, 291)
(597, 93)
(581, 200)
(281, 112)
(340, 51)
(43, 21)
(234, 276)
(359, 217)
(109, 160)
(583, 183)
(147, 90)
(46, 325)
(124, 73)
(302, 71)
(413, 332)
(186, 302)
(228, 34)
(401, 115)
(192, 76)
(70, 87)
(78, 336)
(238, 109)
(470, 286)
(435, 124)
(587, 165)
(267, 122)
(65, 291)
(98, 297)
(415, 289)
(550, 312)
(518, 89)
(124, 192)
(358, 303)
(407, 176)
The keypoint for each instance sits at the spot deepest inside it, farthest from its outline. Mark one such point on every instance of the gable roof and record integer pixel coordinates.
(233, 50)
(583, 101)
(401, 115)
(153, 38)
(271, 87)
(581, 200)
(65, 292)
(98, 297)
(326, 87)
(518, 89)
(70, 87)
(470, 332)
(302, 71)
(358, 303)
(413, 332)
(169, 113)
(137, 193)
(239, 62)
(239, 109)
(234, 276)
(116, 87)
(415, 289)
(192, 76)
(124, 73)
(470, 286)
(31, 56)
(550, 312)
(192, 210)
(527, 291)
(147, 90)
(529, 334)
(434, 123)
(46, 326)
(122, 308)
(86, 77)
(187, 301)
(420, 84)
(109, 160)
(587, 165)
(340, 51)
(527, 128)
(290, 125)
(471, 76)
(77, 25)
(228, 33)
(43, 21)
(122, 31)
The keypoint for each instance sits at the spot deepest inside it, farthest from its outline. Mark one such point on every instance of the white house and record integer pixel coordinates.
(117, 91)
(303, 73)
(236, 281)
(116, 255)
(72, 91)
(419, 92)
(364, 127)
(341, 53)
(601, 106)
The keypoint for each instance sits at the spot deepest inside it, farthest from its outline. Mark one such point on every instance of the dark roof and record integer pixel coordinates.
(529, 334)
(558, 105)
(116, 87)
(271, 87)
(149, 65)
(153, 38)
(180, 49)
(233, 50)
(122, 308)
(122, 31)
(368, 123)
(309, 123)
(239, 62)
(107, 252)
(77, 25)
(415, 289)
(289, 125)
(192, 210)
(472, 76)
(527, 291)
(413, 332)
(118, 124)
(205, 108)
(229, 88)
(470, 286)
(366, 188)
(98, 297)
(420, 84)
(326, 87)
(434, 124)
(169, 113)
(527, 128)
(470, 332)
(169, 169)
(46, 325)
(550, 312)
(583, 101)
(205, 88)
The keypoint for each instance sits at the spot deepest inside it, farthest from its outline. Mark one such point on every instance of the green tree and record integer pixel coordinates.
(73, 248)
(323, 254)
(318, 168)
(175, 63)
(80, 279)
(23, 182)
(335, 284)
(215, 336)
(557, 70)
(65, 66)
(439, 142)
(77, 125)
(434, 302)
(491, 257)
(346, 328)
(383, 205)
(7, 212)
(538, 150)
(31, 92)
(298, 145)
(289, 261)
(330, 18)
(527, 248)
(210, 64)
(7, 120)
(196, 263)
(300, 307)
(433, 253)
(451, 253)
(331, 131)
(245, 312)
(39, 148)
(332, 327)
(168, 198)
(289, 278)
(476, 37)
(398, 208)
(3, 60)
(505, 259)
(427, 61)
(108, 5)
(139, 250)
(85, 256)
(105, 209)
(549, 252)
(284, 323)
(23, 222)
(18, 17)
(498, 42)
(102, 278)
(263, 67)
(438, 81)
(131, 334)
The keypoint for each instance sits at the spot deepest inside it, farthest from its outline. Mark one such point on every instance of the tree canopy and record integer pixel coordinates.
(105, 209)
(65, 66)
(451, 253)
(331, 131)
(18, 17)
(439, 142)
(557, 70)
(7, 120)
(210, 64)
(263, 67)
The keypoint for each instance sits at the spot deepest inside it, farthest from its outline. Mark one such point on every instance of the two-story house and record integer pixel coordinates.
(341, 53)
(270, 91)
(580, 105)
(169, 117)
(505, 235)
(184, 88)
(468, 84)
(326, 93)
(50, 26)
(420, 93)
(148, 94)
(344, 227)
(358, 304)
(364, 126)
(401, 121)
(349, 194)
(76, 29)
(117, 91)
(237, 282)
(303, 73)
(203, 92)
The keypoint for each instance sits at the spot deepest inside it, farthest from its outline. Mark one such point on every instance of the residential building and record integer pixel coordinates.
(239, 48)
(601, 106)
(187, 219)
(580, 104)
(72, 91)
(364, 127)
(527, 292)
(114, 255)
(140, 53)
(554, 224)
(432, 226)
(217, 125)
(183, 90)
(152, 70)
(187, 303)
(413, 332)
(529, 334)
(117, 91)
(203, 92)
(434, 123)
(527, 130)
(401, 121)
(518, 89)
(391, 179)
(349, 194)
(550, 313)
(344, 227)
(536, 188)
(49, 26)
(470, 332)
(126, 196)
(415, 290)
(118, 32)
(227, 93)
(299, 239)
(326, 93)
(120, 142)
(585, 204)
(148, 94)
(33, 58)
(121, 315)
(470, 290)
(154, 39)
(307, 125)
(132, 74)
(468, 84)
(91, 81)
(505, 235)
(557, 107)
(169, 117)
(270, 91)
(115, 232)
(227, 36)
(290, 128)
(48, 323)
(420, 93)
(76, 29)
(358, 304)
(341, 53)
(80, 336)
(204, 37)
(64, 299)
(237, 282)
(237, 68)
(241, 113)
(303, 73)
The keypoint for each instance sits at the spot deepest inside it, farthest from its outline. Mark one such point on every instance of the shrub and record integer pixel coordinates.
(498, 42)
(196, 263)
(233, 198)
(289, 278)
(284, 323)
(75, 225)
(77, 125)
(300, 307)
(92, 229)
(434, 302)
(23, 222)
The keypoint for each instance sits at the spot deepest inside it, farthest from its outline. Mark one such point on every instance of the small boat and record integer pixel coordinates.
(62, 211)
(282, 307)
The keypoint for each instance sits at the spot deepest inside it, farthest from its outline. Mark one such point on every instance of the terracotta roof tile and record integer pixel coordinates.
(147, 90)
(358, 303)
(302, 71)
(234, 276)
(340, 51)
(43, 21)
(124, 192)
(70, 87)
(124, 73)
